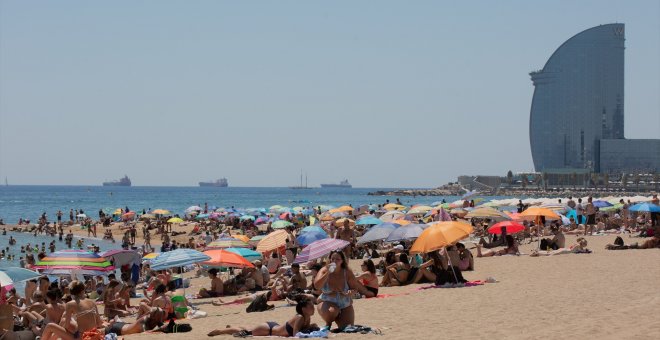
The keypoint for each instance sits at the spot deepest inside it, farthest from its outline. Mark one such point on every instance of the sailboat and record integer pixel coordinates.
(301, 183)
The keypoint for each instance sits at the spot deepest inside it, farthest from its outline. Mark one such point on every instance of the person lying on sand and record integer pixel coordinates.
(579, 247)
(653, 242)
(511, 249)
(301, 321)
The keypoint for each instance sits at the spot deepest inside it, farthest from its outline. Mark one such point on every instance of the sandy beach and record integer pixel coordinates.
(604, 295)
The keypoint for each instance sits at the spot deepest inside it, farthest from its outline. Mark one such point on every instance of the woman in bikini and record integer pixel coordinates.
(153, 321)
(80, 316)
(397, 274)
(301, 321)
(368, 279)
(336, 281)
(511, 249)
(579, 247)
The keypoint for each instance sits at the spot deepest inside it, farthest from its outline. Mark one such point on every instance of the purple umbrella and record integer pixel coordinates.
(320, 248)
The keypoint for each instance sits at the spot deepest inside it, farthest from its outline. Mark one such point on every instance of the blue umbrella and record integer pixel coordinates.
(378, 233)
(247, 217)
(312, 228)
(311, 236)
(248, 254)
(368, 220)
(10, 275)
(178, 258)
(202, 216)
(406, 232)
(645, 207)
(601, 204)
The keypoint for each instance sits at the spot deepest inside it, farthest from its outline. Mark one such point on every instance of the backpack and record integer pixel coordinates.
(174, 327)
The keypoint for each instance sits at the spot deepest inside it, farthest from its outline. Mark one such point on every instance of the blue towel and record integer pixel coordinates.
(323, 333)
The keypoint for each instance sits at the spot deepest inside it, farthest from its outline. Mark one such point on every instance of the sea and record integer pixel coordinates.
(30, 201)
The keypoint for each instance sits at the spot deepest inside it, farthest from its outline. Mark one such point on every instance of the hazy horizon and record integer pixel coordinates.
(385, 94)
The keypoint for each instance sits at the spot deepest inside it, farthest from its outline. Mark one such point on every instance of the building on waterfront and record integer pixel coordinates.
(577, 112)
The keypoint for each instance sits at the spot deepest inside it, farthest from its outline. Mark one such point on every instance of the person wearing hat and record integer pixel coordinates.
(398, 248)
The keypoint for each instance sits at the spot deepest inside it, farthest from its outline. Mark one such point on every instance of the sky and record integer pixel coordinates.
(383, 93)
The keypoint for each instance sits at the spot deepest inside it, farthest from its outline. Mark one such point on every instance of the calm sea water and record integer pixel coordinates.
(31, 201)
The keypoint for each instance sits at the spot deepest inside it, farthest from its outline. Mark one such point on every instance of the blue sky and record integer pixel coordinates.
(384, 93)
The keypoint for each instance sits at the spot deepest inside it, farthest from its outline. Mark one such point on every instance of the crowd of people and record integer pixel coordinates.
(67, 308)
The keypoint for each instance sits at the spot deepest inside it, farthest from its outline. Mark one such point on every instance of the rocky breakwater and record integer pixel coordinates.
(442, 191)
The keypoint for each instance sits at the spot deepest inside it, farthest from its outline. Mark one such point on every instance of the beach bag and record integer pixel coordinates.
(618, 241)
(93, 334)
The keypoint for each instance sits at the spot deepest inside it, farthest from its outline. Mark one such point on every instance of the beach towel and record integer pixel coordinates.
(467, 284)
(323, 333)
(384, 296)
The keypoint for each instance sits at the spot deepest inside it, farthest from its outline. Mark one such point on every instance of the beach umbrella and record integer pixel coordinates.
(440, 235)
(319, 249)
(532, 213)
(160, 212)
(401, 222)
(262, 220)
(74, 261)
(511, 227)
(81, 215)
(121, 257)
(311, 236)
(281, 224)
(487, 212)
(118, 211)
(193, 208)
(391, 216)
(406, 232)
(613, 207)
(175, 220)
(312, 228)
(344, 209)
(149, 257)
(601, 204)
(378, 233)
(420, 209)
(393, 206)
(227, 242)
(223, 258)
(645, 207)
(241, 237)
(178, 258)
(147, 216)
(247, 217)
(255, 240)
(128, 216)
(248, 254)
(272, 241)
(277, 208)
(368, 220)
(11, 275)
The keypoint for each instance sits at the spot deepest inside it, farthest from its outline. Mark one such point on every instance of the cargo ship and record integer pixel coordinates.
(123, 182)
(221, 183)
(342, 184)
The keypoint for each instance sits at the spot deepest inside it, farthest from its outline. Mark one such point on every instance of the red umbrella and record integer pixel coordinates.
(512, 227)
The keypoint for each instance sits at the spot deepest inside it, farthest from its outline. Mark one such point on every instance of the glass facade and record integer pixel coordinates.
(630, 155)
(578, 100)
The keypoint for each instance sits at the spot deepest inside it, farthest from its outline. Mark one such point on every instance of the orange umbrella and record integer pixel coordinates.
(393, 206)
(242, 238)
(401, 222)
(223, 258)
(532, 213)
(327, 217)
(272, 241)
(343, 208)
(129, 215)
(440, 235)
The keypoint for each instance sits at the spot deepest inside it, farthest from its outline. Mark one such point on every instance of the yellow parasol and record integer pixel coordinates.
(175, 220)
(393, 206)
(532, 213)
(440, 235)
(160, 212)
(344, 208)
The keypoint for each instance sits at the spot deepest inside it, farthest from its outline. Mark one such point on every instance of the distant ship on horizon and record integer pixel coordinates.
(298, 187)
(220, 183)
(342, 184)
(122, 182)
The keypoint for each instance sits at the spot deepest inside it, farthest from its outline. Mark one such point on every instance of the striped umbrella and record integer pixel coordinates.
(248, 254)
(10, 275)
(79, 261)
(320, 248)
(272, 241)
(227, 242)
(121, 257)
(242, 238)
(178, 258)
(255, 240)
